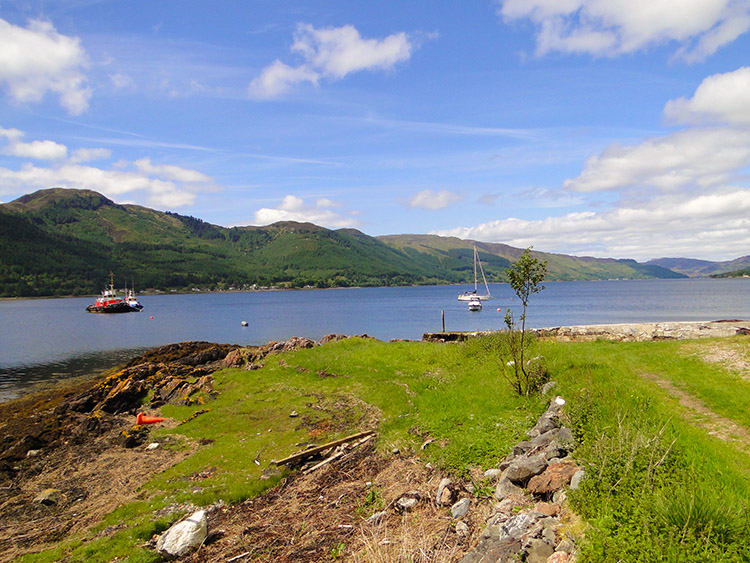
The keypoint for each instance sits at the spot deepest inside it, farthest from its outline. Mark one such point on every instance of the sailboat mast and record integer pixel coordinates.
(476, 255)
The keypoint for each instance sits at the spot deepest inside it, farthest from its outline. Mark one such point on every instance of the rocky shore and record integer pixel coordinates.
(623, 332)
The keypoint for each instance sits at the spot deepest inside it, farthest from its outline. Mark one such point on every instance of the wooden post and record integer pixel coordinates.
(442, 313)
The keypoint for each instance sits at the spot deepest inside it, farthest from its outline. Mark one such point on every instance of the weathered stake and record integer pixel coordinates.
(317, 449)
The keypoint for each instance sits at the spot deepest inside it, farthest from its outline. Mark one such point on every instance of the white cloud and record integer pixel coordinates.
(38, 150)
(122, 81)
(293, 208)
(163, 185)
(714, 226)
(434, 200)
(691, 159)
(87, 155)
(278, 78)
(613, 27)
(330, 53)
(183, 175)
(723, 98)
(37, 60)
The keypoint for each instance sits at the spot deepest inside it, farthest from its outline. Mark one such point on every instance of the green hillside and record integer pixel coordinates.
(65, 242)
(703, 268)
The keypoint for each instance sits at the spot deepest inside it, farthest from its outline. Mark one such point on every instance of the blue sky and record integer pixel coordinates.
(609, 128)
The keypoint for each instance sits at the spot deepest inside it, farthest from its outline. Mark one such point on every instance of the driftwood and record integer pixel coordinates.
(337, 455)
(318, 449)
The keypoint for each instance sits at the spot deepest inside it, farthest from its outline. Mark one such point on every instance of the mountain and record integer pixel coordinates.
(703, 268)
(497, 257)
(66, 241)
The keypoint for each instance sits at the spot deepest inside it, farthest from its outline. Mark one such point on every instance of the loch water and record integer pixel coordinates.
(51, 339)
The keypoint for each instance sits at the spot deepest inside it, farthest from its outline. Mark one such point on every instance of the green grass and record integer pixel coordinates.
(659, 488)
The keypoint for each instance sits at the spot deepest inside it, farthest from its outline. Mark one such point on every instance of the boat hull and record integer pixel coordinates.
(472, 297)
(111, 308)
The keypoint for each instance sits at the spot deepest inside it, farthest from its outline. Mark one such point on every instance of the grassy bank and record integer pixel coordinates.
(663, 483)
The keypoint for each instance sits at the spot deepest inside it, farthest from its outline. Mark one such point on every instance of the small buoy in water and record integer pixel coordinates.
(151, 317)
(499, 310)
(244, 323)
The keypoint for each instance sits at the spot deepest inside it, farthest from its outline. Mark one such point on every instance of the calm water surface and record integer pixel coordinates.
(44, 339)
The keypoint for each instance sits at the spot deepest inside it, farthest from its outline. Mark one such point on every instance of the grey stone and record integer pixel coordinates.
(185, 536)
(566, 545)
(522, 447)
(460, 509)
(444, 483)
(575, 481)
(405, 504)
(462, 529)
(522, 469)
(547, 387)
(538, 551)
(493, 473)
(505, 488)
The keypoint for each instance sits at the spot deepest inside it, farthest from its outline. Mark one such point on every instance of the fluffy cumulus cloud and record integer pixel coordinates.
(721, 98)
(38, 150)
(714, 226)
(613, 27)
(322, 212)
(330, 53)
(694, 159)
(37, 59)
(434, 200)
(686, 193)
(165, 186)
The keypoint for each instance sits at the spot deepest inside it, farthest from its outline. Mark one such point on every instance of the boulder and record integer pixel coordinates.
(538, 551)
(506, 488)
(554, 478)
(185, 536)
(523, 468)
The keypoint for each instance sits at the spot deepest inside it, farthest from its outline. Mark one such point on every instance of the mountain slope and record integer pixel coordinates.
(700, 268)
(64, 241)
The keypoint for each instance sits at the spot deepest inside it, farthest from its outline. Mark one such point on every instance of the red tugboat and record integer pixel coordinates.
(109, 302)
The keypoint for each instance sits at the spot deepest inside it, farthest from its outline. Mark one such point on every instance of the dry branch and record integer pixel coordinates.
(318, 449)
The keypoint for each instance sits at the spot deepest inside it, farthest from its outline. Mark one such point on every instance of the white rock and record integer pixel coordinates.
(152, 446)
(184, 536)
(460, 508)
(575, 482)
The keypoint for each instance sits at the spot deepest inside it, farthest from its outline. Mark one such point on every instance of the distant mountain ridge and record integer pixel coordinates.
(702, 268)
(66, 241)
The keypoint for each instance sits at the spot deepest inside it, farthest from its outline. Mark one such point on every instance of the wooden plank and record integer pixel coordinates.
(317, 449)
(337, 455)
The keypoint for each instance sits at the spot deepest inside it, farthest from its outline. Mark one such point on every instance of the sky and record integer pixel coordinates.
(606, 128)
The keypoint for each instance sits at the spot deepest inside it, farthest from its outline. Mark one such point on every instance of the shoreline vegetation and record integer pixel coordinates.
(658, 426)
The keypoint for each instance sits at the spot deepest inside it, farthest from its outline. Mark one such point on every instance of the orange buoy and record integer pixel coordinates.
(141, 418)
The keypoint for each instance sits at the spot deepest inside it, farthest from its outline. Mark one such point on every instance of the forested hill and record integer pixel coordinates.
(65, 242)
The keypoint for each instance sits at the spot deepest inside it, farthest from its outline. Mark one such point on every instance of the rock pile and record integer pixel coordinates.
(640, 332)
(525, 523)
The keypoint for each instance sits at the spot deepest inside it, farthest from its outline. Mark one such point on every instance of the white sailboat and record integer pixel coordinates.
(473, 295)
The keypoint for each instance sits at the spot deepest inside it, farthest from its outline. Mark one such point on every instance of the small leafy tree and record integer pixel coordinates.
(524, 276)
